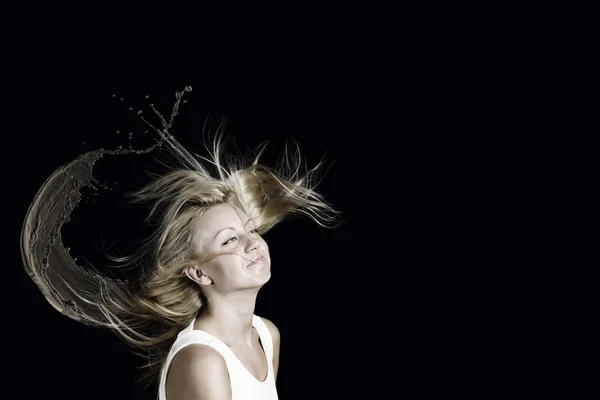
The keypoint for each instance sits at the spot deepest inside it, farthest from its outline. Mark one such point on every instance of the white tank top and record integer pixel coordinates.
(244, 386)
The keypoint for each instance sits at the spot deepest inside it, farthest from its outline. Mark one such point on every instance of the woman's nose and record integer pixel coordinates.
(253, 244)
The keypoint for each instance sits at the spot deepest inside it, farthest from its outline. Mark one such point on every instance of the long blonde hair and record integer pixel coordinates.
(149, 313)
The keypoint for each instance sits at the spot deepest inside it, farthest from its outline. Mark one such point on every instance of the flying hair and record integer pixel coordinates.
(149, 312)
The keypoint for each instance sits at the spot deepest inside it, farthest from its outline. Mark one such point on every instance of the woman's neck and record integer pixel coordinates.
(229, 319)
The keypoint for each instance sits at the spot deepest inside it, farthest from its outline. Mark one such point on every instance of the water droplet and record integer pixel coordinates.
(185, 100)
(139, 111)
(114, 95)
(118, 131)
(131, 108)
(146, 96)
(151, 105)
(121, 99)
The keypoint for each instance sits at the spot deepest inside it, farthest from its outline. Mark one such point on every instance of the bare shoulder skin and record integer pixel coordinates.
(198, 372)
(276, 343)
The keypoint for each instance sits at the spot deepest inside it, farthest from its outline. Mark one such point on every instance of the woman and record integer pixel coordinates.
(192, 308)
(210, 265)
(229, 352)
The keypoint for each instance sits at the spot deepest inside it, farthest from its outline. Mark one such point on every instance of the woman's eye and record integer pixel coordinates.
(233, 239)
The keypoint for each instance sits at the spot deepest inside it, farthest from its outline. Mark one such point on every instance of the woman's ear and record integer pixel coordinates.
(196, 274)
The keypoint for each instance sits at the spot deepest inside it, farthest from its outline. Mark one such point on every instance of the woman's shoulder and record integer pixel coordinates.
(196, 369)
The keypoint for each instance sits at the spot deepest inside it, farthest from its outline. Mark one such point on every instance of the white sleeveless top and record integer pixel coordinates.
(244, 386)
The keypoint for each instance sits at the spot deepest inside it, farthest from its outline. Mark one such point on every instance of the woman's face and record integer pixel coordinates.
(237, 257)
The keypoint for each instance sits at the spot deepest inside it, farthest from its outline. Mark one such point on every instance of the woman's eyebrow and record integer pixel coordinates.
(232, 228)
(228, 227)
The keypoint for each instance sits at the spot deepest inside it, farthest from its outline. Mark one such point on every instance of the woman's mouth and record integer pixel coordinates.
(258, 260)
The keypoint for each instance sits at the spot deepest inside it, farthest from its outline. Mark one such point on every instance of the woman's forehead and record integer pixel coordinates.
(218, 217)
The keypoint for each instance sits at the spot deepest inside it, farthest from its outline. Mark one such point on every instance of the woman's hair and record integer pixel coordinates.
(150, 312)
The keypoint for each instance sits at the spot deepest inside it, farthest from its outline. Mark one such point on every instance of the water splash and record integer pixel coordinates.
(46, 259)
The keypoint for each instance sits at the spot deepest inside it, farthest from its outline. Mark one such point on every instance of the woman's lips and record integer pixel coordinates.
(257, 261)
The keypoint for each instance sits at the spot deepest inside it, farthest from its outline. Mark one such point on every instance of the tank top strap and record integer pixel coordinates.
(265, 336)
(201, 337)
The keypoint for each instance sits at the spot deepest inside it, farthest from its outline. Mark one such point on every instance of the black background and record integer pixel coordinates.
(378, 301)
(433, 121)
(323, 282)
